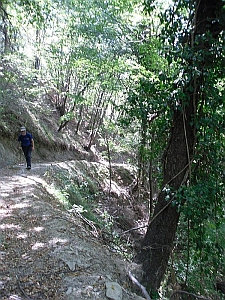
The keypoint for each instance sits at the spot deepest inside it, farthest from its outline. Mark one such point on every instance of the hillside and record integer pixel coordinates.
(67, 225)
(48, 252)
(49, 248)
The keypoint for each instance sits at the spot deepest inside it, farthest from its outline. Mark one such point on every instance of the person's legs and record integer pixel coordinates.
(28, 158)
(27, 153)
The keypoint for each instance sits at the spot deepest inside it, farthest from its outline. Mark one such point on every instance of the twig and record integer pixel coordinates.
(88, 222)
(171, 200)
(20, 288)
(141, 287)
(191, 294)
(85, 268)
(132, 229)
(20, 217)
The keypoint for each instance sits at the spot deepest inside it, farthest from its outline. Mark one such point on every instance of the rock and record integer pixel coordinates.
(69, 290)
(71, 264)
(113, 290)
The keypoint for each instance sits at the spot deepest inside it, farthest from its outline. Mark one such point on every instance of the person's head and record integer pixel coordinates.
(23, 130)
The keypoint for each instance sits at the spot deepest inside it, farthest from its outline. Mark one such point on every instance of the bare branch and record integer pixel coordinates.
(141, 287)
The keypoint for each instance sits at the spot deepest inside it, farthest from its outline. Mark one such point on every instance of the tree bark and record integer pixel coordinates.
(157, 244)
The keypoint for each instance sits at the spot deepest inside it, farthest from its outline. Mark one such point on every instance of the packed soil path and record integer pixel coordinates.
(47, 252)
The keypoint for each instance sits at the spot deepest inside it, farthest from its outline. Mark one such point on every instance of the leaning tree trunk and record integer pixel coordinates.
(158, 241)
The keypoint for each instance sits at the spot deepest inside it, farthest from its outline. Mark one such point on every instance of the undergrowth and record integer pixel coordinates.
(79, 192)
(75, 189)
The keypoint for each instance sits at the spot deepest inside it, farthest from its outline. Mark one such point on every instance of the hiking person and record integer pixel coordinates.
(26, 142)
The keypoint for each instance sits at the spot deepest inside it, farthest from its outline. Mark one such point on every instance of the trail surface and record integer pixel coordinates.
(47, 252)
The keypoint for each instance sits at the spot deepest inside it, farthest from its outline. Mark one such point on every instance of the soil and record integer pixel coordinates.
(48, 252)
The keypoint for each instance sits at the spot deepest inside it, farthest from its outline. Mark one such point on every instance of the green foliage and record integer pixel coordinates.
(202, 259)
(76, 190)
(189, 65)
(144, 70)
(35, 11)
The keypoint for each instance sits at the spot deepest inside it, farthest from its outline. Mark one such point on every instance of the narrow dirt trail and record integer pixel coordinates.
(47, 252)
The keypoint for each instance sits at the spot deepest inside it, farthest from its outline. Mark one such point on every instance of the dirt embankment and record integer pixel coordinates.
(47, 252)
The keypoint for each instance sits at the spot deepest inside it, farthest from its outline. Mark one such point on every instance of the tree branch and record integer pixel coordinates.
(141, 287)
(191, 294)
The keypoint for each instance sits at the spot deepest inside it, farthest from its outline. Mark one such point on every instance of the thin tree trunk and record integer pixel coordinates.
(37, 61)
(110, 166)
(151, 191)
(79, 118)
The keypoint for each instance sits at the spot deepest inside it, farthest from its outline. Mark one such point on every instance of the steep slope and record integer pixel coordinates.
(48, 252)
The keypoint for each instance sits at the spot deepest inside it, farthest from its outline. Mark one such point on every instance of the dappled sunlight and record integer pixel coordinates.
(45, 217)
(38, 245)
(57, 241)
(113, 188)
(15, 297)
(41, 242)
(20, 205)
(5, 212)
(37, 229)
(22, 235)
(16, 187)
(9, 226)
(4, 194)
(28, 235)
(25, 256)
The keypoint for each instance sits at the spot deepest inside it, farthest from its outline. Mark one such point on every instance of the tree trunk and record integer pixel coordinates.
(158, 241)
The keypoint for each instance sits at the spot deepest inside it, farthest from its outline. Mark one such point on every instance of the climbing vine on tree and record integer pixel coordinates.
(162, 74)
(194, 50)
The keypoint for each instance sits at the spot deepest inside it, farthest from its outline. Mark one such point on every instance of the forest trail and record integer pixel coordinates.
(47, 252)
